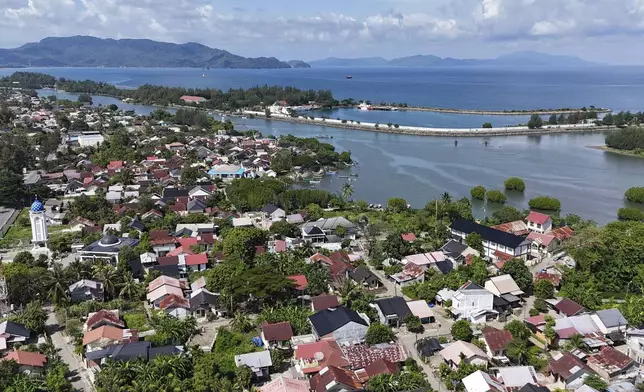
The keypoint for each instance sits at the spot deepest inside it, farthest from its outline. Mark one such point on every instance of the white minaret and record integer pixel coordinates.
(39, 234)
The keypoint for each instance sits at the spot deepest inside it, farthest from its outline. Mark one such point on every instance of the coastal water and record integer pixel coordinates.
(588, 182)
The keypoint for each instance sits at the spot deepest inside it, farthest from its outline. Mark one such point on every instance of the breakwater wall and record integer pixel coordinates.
(544, 112)
(423, 131)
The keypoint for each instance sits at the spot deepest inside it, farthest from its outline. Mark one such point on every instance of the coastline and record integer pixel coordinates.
(616, 151)
(445, 132)
(497, 112)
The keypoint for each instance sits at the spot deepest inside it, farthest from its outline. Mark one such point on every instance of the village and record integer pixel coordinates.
(174, 241)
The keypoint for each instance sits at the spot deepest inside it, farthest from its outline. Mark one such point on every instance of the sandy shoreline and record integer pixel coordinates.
(616, 151)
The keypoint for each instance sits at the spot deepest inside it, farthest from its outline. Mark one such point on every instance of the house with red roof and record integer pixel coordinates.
(103, 317)
(115, 166)
(496, 343)
(324, 301)
(192, 99)
(196, 263)
(335, 379)
(543, 245)
(538, 222)
(276, 334)
(408, 237)
(310, 358)
(569, 307)
(175, 305)
(285, 384)
(611, 364)
(299, 282)
(28, 361)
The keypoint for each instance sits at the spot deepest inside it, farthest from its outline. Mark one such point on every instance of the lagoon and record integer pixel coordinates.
(588, 182)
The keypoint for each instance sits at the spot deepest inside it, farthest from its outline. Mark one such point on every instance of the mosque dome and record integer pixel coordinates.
(109, 240)
(37, 206)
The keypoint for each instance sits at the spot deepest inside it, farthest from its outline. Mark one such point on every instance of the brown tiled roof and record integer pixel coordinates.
(277, 331)
(332, 373)
(104, 332)
(569, 307)
(26, 358)
(563, 366)
(610, 358)
(104, 315)
(562, 233)
(174, 301)
(381, 366)
(322, 302)
(497, 340)
(168, 260)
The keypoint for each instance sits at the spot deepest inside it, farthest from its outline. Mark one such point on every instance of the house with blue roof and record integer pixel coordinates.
(227, 171)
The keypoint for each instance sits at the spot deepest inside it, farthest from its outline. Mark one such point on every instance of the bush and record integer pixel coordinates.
(413, 324)
(533, 312)
(624, 139)
(461, 330)
(478, 192)
(630, 214)
(379, 333)
(545, 203)
(535, 121)
(495, 196)
(514, 184)
(487, 125)
(635, 195)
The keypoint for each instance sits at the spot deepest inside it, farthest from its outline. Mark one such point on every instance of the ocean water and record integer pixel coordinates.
(588, 182)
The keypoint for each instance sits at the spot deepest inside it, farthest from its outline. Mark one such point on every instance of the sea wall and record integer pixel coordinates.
(424, 131)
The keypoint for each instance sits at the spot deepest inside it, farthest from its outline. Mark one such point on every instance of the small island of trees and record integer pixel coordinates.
(545, 203)
(635, 195)
(495, 196)
(514, 184)
(478, 192)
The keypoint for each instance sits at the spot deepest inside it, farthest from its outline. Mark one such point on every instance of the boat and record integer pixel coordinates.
(348, 77)
(315, 181)
(331, 172)
(354, 174)
(203, 75)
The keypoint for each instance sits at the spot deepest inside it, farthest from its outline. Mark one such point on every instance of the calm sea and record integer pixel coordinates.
(588, 182)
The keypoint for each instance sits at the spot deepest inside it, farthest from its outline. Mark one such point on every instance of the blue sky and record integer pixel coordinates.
(608, 31)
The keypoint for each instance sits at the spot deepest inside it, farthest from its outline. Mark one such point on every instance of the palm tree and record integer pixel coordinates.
(106, 274)
(518, 351)
(129, 288)
(447, 198)
(346, 289)
(78, 269)
(576, 341)
(347, 191)
(58, 288)
(241, 323)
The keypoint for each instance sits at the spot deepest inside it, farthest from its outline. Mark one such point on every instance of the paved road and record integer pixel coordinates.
(408, 340)
(66, 352)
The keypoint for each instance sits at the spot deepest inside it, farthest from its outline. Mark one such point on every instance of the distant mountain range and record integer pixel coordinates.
(85, 51)
(512, 59)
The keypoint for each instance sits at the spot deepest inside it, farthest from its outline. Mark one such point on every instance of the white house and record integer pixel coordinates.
(635, 343)
(463, 351)
(479, 381)
(472, 302)
(538, 222)
(497, 244)
(609, 321)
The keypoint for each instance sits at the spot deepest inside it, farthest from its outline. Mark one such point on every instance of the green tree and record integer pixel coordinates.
(478, 192)
(25, 257)
(487, 125)
(396, 205)
(630, 214)
(282, 161)
(283, 229)
(189, 175)
(518, 330)
(413, 324)
(478, 271)
(594, 381)
(535, 121)
(85, 98)
(314, 211)
(318, 278)
(12, 190)
(395, 247)
(33, 317)
(635, 195)
(347, 191)
(553, 119)
(520, 273)
(240, 243)
(545, 203)
(514, 184)
(544, 289)
(461, 330)
(475, 241)
(518, 351)
(495, 196)
(379, 333)
(507, 214)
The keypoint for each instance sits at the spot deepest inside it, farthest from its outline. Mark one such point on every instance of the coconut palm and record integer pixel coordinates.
(518, 351)
(446, 197)
(106, 274)
(129, 288)
(347, 289)
(79, 270)
(59, 285)
(241, 323)
(347, 191)
(576, 341)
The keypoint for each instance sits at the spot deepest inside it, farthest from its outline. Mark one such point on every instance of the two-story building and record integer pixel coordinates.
(538, 222)
(497, 244)
(472, 302)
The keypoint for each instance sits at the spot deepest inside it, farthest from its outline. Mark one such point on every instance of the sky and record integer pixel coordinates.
(608, 31)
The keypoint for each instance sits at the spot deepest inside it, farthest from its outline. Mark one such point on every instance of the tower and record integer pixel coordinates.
(38, 218)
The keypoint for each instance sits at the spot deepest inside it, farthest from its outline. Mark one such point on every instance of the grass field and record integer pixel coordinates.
(21, 231)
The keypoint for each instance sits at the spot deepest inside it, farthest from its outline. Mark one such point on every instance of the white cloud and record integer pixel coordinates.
(378, 25)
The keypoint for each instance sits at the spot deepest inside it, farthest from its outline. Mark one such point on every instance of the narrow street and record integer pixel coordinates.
(65, 351)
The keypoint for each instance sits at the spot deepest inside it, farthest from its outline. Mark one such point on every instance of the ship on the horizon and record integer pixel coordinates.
(348, 77)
